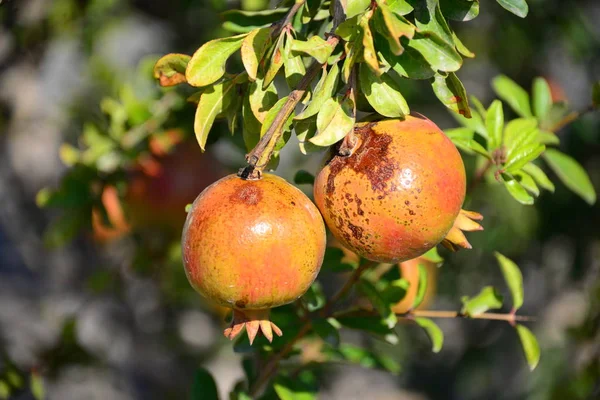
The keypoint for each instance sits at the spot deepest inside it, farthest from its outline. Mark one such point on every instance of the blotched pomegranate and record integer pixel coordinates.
(252, 245)
(398, 193)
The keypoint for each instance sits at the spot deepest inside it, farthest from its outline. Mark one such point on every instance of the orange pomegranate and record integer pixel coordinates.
(251, 245)
(398, 193)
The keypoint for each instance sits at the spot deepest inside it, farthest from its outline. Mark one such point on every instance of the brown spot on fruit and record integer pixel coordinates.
(248, 193)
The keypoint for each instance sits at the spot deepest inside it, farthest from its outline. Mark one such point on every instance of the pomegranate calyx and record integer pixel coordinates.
(455, 239)
(254, 321)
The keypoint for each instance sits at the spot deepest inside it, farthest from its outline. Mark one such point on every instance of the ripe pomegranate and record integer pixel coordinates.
(252, 245)
(398, 193)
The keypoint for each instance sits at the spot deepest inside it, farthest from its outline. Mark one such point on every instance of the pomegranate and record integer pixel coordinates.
(397, 193)
(252, 245)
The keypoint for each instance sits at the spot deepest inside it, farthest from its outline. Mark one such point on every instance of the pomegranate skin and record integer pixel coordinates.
(399, 192)
(253, 244)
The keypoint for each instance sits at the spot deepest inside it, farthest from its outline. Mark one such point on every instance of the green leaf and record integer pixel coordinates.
(262, 99)
(4, 390)
(36, 385)
(323, 91)
(530, 345)
(542, 97)
(382, 306)
(557, 112)
(353, 48)
(372, 324)
(451, 92)
(474, 123)
(479, 107)
(546, 137)
(292, 389)
(422, 288)
(433, 256)
(517, 191)
(306, 129)
(460, 10)
(334, 121)
(238, 21)
(294, 66)
(275, 63)
(251, 126)
(253, 49)
(382, 93)
(517, 7)
(392, 27)
(428, 17)
(400, 7)
(170, 69)
(516, 97)
(571, 174)
(213, 101)
(522, 156)
(459, 133)
(369, 53)
(596, 94)
(527, 182)
(327, 329)
(513, 278)
(316, 47)
(433, 331)
(540, 176)
(471, 146)
(494, 123)
(270, 118)
(487, 299)
(364, 358)
(439, 54)
(394, 291)
(460, 46)
(204, 386)
(207, 65)
(304, 177)
(335, 261)
(355, 7)
(410, 63)
(518, 133)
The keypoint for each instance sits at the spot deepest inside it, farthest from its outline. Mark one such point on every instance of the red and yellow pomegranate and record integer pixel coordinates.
(398, 193)
(252, 245)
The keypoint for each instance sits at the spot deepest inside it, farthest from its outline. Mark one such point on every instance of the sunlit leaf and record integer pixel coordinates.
(494, 123)
(293, 66)
(410, 63)
(400, 7)
(422, 286)
(523, 155)
(517, 191)
(460, 46)
(207, 65)
(433, 331)
(530, 345)
(323, 91)
(315, 47)
(213, 101)
(275, 62)
(546, 137)
(487, 299)
(305, 129)
(513, 94)
(542, 97)
(262, 99)
(292, 389)
(36, 385)
(428, 17)
(451, 92)
(392, 27)
(517, 7)
(459, 133)
(572, 174)
(239, 21)
(513, 278)
(355, 7)
(270, 119)
(540, 176)
(369, 53)
(334, 121)
(253, 49)
(519, 133)
(439, 54)
(382, 93)
(170, 69)
(471, 146)
(527, 182)
(460, 10)
(251, 126)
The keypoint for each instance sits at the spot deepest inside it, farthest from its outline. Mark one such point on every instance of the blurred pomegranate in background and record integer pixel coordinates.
(160, 186)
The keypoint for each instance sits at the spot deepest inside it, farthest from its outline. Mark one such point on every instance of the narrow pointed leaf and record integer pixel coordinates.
(334, 121)
(433, 331)
(451, 92)
(516, 97)
(517, 7)
(422, 286)
(275, 63)
(518, 133)
(542, 98)
(253, 49)
(170, 69)
(527, 182)
(487, 299)
(518, 192)
(382, 93)
(460, 46)
(459, 133)
(540, 176)
(494, 123)
(523, 155)
(513, 278)
(207, 65)
(546, 137)
(428, 17)
(530, 345)
(572, 174)
(323, 91)
(369, 53)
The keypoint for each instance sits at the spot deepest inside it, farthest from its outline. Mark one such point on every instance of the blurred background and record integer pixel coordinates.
(94, 303)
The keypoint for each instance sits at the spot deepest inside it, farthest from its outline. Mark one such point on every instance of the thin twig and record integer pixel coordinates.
(571, 117)
(510, 317)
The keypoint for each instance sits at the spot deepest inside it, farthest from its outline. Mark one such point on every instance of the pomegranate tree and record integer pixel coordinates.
(398, 193)
(252, 245)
